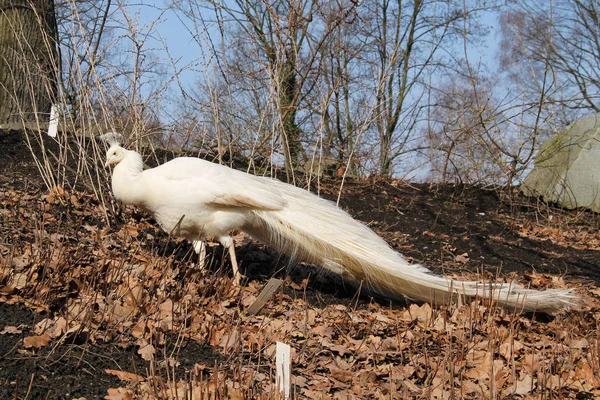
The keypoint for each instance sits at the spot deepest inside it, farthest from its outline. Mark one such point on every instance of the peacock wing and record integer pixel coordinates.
(203, 182)
(244, 190)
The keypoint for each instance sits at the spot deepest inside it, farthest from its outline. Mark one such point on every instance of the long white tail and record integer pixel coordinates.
(317, 231)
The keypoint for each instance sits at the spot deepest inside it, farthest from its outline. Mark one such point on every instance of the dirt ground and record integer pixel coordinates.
(455, 230)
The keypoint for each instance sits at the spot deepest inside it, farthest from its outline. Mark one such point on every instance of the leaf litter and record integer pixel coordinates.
(117, 285)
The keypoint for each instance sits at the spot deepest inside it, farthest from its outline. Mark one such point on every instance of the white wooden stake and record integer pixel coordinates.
(283, 361)
(53, 124)
(264, 296)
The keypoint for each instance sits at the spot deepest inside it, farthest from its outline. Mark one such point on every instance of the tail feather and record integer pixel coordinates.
(315, 230)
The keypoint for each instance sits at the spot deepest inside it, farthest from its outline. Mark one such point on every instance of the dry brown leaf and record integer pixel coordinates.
(586, 377)
(124, 375)
(340, 349)
(341, 375)
(510, 348)
(531, 362)
(37, 341)
(60, 327)
(410, 386)
(470, 387)
(438, 391)
(554, 382)
(248, 299)
(43, 326)
(5, 270)
(147, 351)
(53, 327)
(501, 373)
(229, 341)
(579, 344)
(19, 280)
(21, 262)
(118, 394)
(121, 313)
(344, 395)
(10, 330)
(524, 385)
(299, 381)
(322, 331)
(90, 228)
(421, 313)
(131, 230)
(315, 394)
(481, 361)
(166, 313)
(462, 258)
(270, 351)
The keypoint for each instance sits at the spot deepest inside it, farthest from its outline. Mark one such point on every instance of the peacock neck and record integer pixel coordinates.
(127, 181)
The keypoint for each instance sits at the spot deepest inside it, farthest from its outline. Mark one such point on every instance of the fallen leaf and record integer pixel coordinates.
(315, 394)
(579, 344)
(299, 381)
(341, 375)
(531, 362)
(524, 385)
(323, 331)
(462, 258)
(21, 262)
(586, 375)
(124, 375)
(340, 349)
(43, 326)
(421, 313)
(248, 299)
(510, 348)
(90, 228)
(147, 352)
(36, 341)
(10, 330)
(229, 341)
(19, 280)
(131, 230)
(118, 394)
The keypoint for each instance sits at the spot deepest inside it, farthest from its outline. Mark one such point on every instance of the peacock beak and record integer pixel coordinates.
(107, 163)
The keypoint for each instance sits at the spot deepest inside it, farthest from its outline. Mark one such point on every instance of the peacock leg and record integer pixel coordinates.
(200, 249)
(227, 242)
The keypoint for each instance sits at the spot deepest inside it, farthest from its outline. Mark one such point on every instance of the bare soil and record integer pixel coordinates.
(466, 232)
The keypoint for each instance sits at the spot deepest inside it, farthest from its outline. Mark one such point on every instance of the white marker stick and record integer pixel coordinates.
(53, 124)
(283, 361)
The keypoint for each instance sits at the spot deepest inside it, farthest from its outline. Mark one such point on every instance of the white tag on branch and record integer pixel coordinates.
(53, 124)
(283, 361)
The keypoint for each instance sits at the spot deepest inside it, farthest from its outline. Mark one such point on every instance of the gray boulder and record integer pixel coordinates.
(567, 167)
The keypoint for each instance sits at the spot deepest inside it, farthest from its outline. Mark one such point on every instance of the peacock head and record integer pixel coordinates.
(115, 155)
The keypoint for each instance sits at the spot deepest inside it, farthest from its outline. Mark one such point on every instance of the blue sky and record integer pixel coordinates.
(170, 31)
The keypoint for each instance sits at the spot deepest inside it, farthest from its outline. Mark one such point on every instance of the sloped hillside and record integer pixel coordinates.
(90, 309)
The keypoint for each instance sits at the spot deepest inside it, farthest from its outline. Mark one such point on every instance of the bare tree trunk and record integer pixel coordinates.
(28, 61)
(395, 85)
(291, 130)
